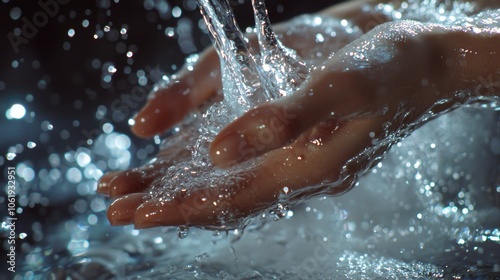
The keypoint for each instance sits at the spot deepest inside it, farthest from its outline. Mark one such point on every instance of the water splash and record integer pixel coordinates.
(282, 65)
(249, 79)
(130, 253)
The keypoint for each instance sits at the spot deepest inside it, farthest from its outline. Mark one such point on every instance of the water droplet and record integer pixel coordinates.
(16, 111)
(182, 232)
(15, 13)
(10, 156)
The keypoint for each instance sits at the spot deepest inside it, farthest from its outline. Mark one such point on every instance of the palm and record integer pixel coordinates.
(170, 104)
(324, 157)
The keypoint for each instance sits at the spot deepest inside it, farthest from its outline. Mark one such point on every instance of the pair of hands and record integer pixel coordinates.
(318, 140)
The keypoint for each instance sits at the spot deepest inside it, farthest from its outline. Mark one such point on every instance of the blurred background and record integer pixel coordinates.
(72, 74)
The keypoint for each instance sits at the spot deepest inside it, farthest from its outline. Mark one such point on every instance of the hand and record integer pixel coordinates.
(167, 106)
(317, 143)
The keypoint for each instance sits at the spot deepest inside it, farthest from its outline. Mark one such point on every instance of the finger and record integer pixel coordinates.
(169, 105)
(276, 124)
(304, 163)
(121, 211)
(119, 183)
(104, 181)
(195, 209)
(116, 184)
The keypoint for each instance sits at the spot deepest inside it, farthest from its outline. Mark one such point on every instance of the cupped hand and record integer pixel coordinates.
(189, 89)
(317, 140)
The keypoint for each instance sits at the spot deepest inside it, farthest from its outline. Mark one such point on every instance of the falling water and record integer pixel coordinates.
(249, 78)
(439, 221)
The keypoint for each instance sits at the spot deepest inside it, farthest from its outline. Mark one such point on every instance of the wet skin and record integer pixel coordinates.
(325, 139)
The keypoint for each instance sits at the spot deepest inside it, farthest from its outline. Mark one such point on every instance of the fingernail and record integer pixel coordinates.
(227, 151)
(121, 211)
(139, 122)
(128, 182)
(104, 182)
(120, 218)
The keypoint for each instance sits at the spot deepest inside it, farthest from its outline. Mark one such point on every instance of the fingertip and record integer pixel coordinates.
(104, 182)
(226, 150)
(142, 127)
(152, 213)
(195, 209)
(166, 108)
(121, 211)
(257, 132)
(125, 183)
(151, 120)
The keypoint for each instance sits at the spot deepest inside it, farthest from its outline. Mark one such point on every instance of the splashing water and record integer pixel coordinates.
(249, 79)
(439, 221)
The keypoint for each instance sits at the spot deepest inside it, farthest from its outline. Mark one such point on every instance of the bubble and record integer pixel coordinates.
(46, 126)
(112, 69)
(122, 142)
(280, 9)
(64, 134)
(320, 38)
(28, 174)
(97, 204)
(176, 12)
(66, 46)
(182, 232)
(107, 128)
(42, 84)
(169, 31)
(92, 219)
(71, 32)
(15, 13)
(16, 111)
(74, 175)
(80, 205)
(83, 159)
(55, 174)
(96, 63)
